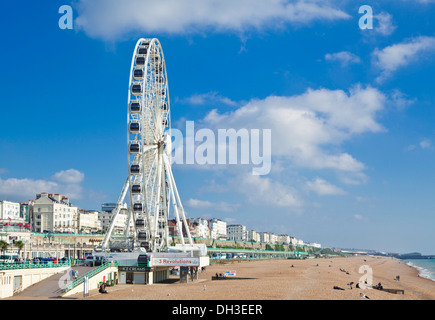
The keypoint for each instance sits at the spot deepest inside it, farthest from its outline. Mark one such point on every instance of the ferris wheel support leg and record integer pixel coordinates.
(147, 209)
(174, 187)
(128, 222)
(165, 208)
(115, 215)
(174, 203)
(157, 208)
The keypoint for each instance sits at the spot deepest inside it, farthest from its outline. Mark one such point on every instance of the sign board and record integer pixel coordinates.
(174, 262)
(230, 273)
(134, 269)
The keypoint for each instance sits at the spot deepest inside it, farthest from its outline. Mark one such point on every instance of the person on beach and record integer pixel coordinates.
(102, 288)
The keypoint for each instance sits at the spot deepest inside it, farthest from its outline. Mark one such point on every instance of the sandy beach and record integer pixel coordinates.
(311, 279)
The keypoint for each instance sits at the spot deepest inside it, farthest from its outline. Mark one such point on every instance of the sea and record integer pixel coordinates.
(426, 267)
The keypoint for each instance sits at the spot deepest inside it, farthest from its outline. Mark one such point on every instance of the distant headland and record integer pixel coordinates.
(415, 255)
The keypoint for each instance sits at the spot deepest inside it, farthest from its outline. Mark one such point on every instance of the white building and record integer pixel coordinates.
(283, 239)
(54, 213)
(236, 232)
(106, 218)
(296, 242)
(218, 229)
(252, 236)
(314, 245)
(10, 212)
(264, 237)
(88, 221)
(273, 238)
(201, 229)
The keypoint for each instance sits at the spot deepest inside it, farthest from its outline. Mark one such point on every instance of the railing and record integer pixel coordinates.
(35, 265)
(90, 274)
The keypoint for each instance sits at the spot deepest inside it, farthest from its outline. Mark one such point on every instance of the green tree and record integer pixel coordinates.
(3, 246)
(20, 245)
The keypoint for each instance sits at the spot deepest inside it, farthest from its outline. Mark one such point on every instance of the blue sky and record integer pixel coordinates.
(351, 111)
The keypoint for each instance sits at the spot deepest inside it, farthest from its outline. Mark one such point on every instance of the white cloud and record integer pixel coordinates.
(25, 188)
(207, 99)
(69, 176)
(308, 129)
(361, 199)
(308, 132)
(323, 187)
(229, 220)
(400, 100)
(358, 217)
(396, 56)
(208, 205)
(114, 19)
(344, 57)
(422, 1)
(426, 144)
(353, 178)
(265, 191)
(384, 24)
(410, 147)
(63, 182)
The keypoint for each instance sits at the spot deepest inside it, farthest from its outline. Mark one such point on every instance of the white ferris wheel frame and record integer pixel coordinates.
(152, 154)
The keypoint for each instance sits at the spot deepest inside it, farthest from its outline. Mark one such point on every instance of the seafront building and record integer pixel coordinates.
(54, 213)
(200, 228)
(296, 242)
(264, 237)
(218, 229)
(105, 219)
(88, 221)
(252, 236)
(284, 239)
(273, 238)
(236, 232)
(314, 245)
(10, 212)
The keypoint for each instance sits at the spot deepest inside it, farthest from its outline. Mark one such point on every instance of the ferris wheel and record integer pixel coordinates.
(150, 182)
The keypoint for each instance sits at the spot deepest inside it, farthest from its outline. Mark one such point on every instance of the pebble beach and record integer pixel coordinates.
(310, 279)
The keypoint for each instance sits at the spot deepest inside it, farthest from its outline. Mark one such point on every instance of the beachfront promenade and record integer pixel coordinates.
(79, 245)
